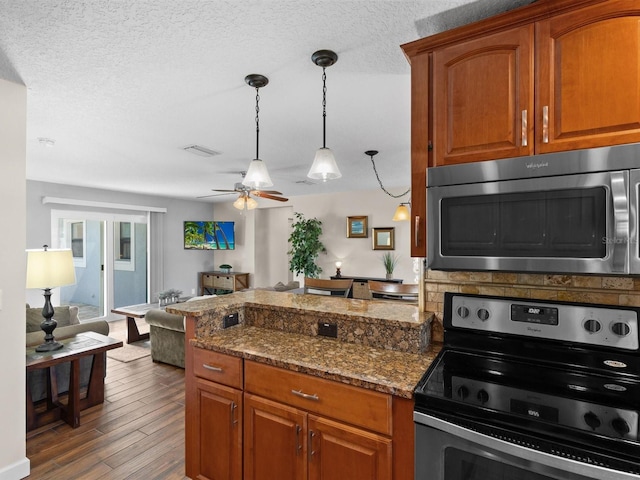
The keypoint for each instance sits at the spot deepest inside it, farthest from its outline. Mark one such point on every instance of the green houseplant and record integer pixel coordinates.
(389, 260)
(305, 246)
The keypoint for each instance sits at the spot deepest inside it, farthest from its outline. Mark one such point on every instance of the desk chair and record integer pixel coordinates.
(317, 286)
(407, 292)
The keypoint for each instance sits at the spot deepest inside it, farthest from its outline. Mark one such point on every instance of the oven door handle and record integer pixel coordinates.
(534, 456)
(620, 201)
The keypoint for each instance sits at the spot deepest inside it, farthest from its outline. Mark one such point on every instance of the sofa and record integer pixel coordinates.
(68, 325)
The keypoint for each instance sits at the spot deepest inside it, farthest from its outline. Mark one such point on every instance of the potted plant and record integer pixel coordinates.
(305, 246)
(389, 260)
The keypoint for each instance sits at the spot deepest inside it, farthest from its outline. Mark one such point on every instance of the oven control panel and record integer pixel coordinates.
(587, 324)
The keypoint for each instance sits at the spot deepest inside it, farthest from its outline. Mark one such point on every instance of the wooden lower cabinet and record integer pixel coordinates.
(266, 423)
(274, 441)
(219, 432)
(341, 451)
(285, 443)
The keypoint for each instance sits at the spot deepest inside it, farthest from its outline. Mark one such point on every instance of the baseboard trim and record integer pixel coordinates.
(17, 470)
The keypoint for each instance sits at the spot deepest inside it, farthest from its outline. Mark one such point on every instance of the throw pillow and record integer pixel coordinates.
(61, 315)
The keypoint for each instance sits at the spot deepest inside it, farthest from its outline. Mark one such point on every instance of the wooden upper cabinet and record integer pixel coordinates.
(588, 77)
(483, 98)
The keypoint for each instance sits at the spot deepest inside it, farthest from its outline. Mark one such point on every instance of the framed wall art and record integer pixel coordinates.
(383, 238)
(357, 227)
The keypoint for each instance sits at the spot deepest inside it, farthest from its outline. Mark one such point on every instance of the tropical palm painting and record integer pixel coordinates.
(209, 236)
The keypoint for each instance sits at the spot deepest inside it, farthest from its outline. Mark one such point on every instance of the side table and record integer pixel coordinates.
(76, 347)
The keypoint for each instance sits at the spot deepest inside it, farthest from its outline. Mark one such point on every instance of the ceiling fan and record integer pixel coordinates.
(245, 193)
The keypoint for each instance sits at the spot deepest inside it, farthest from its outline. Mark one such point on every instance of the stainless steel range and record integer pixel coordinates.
(531, 390)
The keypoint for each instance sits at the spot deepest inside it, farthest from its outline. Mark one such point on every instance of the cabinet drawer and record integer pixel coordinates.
(361, 290)
(218, 367)
(357, 406)
(225, 283)
(208, 280)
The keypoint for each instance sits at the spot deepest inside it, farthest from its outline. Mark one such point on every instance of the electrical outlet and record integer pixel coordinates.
(193, 291)
(328, 329)
(230, 320)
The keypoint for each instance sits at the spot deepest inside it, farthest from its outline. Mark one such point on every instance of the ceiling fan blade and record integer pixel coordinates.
(220, 190)
(217, 194)
(274, 192)
(261, 194)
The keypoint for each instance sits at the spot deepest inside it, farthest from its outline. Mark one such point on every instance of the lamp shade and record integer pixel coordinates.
(251, 203)
(239, 203)
(257, 175)
(50, 268)
(402, 213)
(324, 166)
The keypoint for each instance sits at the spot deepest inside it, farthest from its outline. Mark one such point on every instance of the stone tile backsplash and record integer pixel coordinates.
(572, 288)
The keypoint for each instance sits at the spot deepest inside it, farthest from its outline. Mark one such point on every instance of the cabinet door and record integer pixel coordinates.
(420, 151)
(274, 441)
(589, 77)
(483, 98)
(219, 429)
(338, 451)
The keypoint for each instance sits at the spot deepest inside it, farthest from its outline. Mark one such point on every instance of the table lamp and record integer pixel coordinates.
(49, 269)
(338, 273)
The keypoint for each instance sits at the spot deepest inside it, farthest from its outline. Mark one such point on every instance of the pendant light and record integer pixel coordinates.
(402, 212)
(324, 164)
(257, 176)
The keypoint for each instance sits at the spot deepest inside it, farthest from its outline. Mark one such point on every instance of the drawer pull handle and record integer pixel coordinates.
(300, 393)
(212, 368)
(524, 129)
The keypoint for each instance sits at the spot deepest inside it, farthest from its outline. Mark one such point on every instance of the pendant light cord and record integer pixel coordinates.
(324, 108)
(380, 182)
(257, 122)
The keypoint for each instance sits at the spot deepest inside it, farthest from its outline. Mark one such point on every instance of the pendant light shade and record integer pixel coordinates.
(324, 165)
(245, 202)
(257, 176)
(402, 213)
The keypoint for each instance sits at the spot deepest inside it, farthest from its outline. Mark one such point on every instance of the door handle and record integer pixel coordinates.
(416, 227)
(620, 242)
(545, 124)
(523, 133)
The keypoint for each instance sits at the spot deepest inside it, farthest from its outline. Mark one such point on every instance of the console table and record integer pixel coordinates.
(360, 287)
(76, 347)
(211, 282)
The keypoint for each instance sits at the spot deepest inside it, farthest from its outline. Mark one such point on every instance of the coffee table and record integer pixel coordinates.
(132, 312)
(74, 348)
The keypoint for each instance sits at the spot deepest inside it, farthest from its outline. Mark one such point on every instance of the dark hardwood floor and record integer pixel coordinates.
(138, 433)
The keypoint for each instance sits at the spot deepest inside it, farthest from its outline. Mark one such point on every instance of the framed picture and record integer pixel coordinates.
(383, 238)
(357, 227)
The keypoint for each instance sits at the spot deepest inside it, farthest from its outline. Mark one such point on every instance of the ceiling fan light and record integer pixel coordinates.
(239, 203)
(251, 203)
(402, 213)
(257, 176)
(324, 166)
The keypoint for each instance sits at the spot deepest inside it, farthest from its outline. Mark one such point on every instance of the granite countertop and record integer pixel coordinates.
(383, 346)
(385, 371)
(362, 309)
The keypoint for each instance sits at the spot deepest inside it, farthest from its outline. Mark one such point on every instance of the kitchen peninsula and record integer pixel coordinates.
(336, 407)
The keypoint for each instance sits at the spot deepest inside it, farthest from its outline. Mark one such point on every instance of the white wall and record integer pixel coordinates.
(13, 461)
(264, 233)
(180, 266)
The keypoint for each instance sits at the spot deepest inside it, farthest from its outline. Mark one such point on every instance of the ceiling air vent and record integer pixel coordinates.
(200, 150)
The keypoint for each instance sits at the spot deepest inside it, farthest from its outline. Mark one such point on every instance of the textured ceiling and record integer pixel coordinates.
(123, 85)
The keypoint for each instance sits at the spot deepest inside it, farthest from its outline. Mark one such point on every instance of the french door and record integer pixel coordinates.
(110, 253)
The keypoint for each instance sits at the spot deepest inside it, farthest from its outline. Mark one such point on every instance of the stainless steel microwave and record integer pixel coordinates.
(568, 212)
